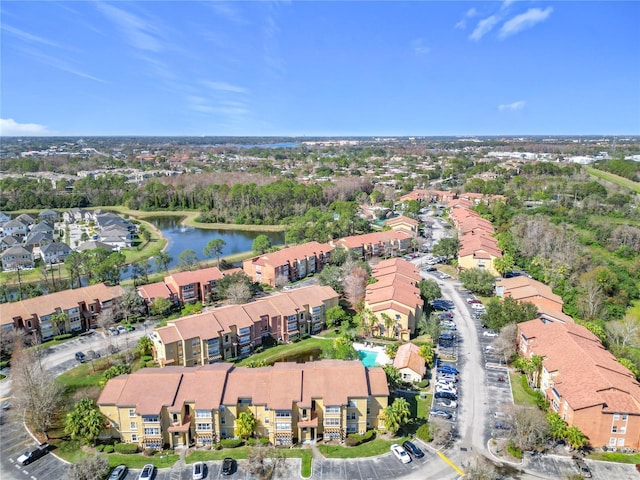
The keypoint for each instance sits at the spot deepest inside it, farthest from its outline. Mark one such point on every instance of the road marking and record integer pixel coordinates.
(453, 465)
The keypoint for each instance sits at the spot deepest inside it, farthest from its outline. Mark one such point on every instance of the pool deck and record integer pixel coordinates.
(381, 359)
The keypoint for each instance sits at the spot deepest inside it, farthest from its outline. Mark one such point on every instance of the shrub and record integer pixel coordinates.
(109, 449)
(146, 358)
(251, 442)
(513, 450)
(264, 440)
(63, 336)
(99, 448)
(126, 448)
(353, 439)
(231, 442)
(258, 349)
(218, 446)
(149, 452)
(424, 433)
(422, 384)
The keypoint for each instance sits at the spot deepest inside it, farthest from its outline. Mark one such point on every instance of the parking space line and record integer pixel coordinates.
(453, 465)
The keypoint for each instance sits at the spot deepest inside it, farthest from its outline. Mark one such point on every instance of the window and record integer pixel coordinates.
(134, 438)
(623, 430)
(283, 426)
(133, 426)
(612, 442)
(332, 422)
(195, 342)
(351, 416)
(616, 416)
(352, 404)
(283, 413)
(203, 414)
(29, 324)
(266, 419)
(222, 408)
(331, 410)
(625, 417)
(614, 429)
(223, 420)
(368, 411)
(352, 427)
(152, 418)
(203, 426)
(152, 431)
(132, 412)
(621, 442)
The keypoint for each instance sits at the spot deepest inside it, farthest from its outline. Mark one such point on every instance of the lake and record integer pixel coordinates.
(182, 238)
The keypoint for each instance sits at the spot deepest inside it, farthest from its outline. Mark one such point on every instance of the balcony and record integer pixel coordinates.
(309, 420)
(181, 426)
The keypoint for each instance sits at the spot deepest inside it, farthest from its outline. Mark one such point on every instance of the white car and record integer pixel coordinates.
(198, 471)
(448, 403)
(446, 388)
(489, 333)
(477, 306)
(400, 453)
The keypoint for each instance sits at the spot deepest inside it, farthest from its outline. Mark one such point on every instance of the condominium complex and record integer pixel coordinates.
(291, 402)
(237, 330)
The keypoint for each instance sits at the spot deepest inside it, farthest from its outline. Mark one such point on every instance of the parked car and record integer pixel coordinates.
(489, 333)
(228, 466)
(448, 369)
(440, 413)
(81, 357)
(118, 473)
(6, 405)
(113, 331)
(147, 473)
(198, 471)
(448, 403)
(122, 329)
(413, 449)
(583, 468)
(501, 426)
(447, 395)
(92, 354)
(446, 388)
(473, 300)
(400, 453)
(445, 377)
(27, 457)
(477, 306)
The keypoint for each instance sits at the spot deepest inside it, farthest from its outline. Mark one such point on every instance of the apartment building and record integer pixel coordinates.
(409, 363)
(394, 298)
(81, 305)
(288, 264)
(404, 224)
(292, 403)
(389, 243)
(236, 330)
(584, 383)
(185, 287)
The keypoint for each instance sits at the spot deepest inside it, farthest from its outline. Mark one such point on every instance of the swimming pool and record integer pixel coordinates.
(368, 357)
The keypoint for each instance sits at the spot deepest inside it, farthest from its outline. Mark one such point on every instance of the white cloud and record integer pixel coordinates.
(29, 37)
(523, 21)
(227, 11)
(511, 107)
(472, 12)
(419, 47)
(60, 64)
(462, 24)
(9, 127)
(224, 87)
(138, 32)
(483, 27)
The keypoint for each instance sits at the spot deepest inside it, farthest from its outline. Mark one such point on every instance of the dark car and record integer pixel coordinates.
(81, 357)
(27, 457)
(118, 473)
(583, 468)
(93, 354)
(413, 449)
(501, 426)
(447, 395)
(448, 369)
(228, 466)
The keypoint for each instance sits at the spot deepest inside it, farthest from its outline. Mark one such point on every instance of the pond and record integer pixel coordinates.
(302, 357)
(181, 238)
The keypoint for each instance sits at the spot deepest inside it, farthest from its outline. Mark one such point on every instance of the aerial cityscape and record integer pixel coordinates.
(325, 240)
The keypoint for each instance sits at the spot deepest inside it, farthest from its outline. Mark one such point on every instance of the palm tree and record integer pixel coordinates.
(576, 438)
(59, 320)
(214, 248)
(396, 415)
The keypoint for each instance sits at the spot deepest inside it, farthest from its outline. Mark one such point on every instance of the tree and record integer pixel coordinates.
(9, 339)
(500, 313)
(505, 344)
(162, 260)
(261, 244)
(446, 247)
(394, 379)
(343, 349)
(335, 316)
(355, 278)
(160, 305)
(59, 321)
(575, 438)
(140, 270)
(477, 280)
(260, 467)
(245, 424)
(396, 415)
(144, 346)
(557, 426)
(90, 468)
(73, 264)
(188, 260)
(131, 304)
(36, 392)
(84, 422)
(530, 428)
(429, 290)
(427, 352)
(238, 293)
(624, 331)
(214, 249)
(331, 275)
(504, 264)
(113, 372)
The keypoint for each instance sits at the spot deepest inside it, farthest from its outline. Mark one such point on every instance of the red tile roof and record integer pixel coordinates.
(408, 356)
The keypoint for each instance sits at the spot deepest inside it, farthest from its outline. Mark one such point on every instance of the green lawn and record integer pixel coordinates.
(615, 457)
(610, 177)
(280, 352)
(163, 460)
(519, 388)
(369, 449)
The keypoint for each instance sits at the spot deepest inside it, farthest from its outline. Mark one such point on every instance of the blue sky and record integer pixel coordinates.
(320, 68)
